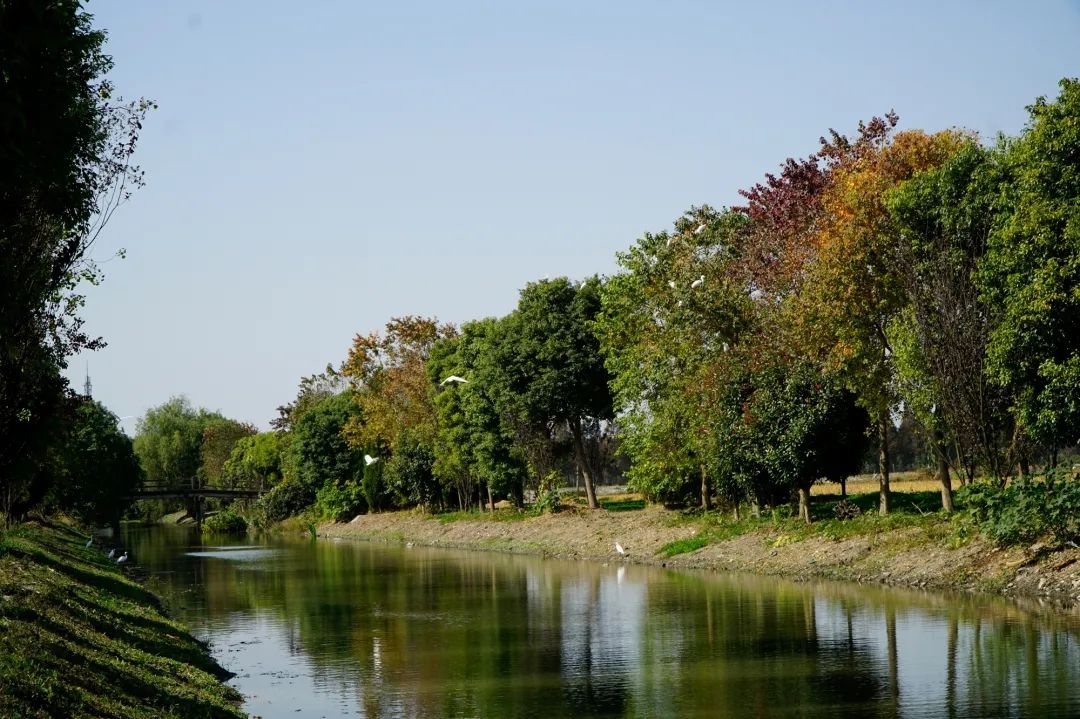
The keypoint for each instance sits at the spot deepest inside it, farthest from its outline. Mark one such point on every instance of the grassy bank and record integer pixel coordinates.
(78, 639)
(913, 546)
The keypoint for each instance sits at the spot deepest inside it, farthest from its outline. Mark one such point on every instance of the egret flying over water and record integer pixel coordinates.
(455, 379)
(369, 460)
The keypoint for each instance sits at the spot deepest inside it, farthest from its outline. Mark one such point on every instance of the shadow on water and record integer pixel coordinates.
(358, 629)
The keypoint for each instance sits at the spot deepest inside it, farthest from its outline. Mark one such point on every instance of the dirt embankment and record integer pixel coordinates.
(913, 556)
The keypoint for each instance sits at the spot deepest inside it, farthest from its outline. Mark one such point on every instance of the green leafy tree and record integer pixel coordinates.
(409, 473)
(65, 145)
(321, 453)
(474, 443)
(669, 319)
(944, 218)
(549, 370)
(100, 471)
(1031, 271)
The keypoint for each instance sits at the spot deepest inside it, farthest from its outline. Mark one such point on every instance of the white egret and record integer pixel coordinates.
(112, 553)
(90, 542)
(671, 284)
(123, 558)
(454, 378)
(369, 460)
(699, 228)
(697, 283)
(619, 549)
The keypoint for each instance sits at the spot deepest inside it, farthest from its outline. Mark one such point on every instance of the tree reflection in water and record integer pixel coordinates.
(380, 631)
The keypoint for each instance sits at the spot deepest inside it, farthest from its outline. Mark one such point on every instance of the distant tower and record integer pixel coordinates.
(87, 388)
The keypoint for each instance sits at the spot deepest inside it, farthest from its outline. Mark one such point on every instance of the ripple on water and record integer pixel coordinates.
(236, 554)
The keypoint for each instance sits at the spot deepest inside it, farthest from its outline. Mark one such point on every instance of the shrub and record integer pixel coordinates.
(339, 502)
(227, 521)
(547, 495)
(1025, 511)
(285, 500)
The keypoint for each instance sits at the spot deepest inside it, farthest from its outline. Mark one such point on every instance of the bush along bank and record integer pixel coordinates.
(78, 639)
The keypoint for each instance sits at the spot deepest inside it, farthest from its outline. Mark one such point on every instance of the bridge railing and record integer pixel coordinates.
(195, 485)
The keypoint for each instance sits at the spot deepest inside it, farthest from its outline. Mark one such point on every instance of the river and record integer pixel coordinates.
(352, 629)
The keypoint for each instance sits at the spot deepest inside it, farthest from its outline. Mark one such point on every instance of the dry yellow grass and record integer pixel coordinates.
(917, 481)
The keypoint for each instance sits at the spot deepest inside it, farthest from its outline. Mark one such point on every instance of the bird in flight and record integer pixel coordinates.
(454, 378)
(369, 460)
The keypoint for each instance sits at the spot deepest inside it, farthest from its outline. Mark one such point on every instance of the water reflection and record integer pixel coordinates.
(344, 629)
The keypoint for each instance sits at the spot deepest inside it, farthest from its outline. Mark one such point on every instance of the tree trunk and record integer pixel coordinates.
(583, 463)
(843, 488)
(737, 517)
(491, 498)
(944, 475)
(804, 504)
(883, 464)
(706, 500)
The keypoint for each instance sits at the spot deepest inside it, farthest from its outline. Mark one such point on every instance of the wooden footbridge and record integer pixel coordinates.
(194, 496)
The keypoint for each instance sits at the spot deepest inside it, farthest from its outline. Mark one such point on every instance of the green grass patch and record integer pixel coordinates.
(79, 639)
(622, 505)
(682, 546)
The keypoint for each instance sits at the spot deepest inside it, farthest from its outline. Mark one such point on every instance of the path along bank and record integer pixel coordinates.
(926, 552)
(80, 639)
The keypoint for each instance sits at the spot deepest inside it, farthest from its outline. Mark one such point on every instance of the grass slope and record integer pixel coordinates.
(78, 639)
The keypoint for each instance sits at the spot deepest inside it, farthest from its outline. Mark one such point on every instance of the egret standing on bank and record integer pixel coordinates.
(619, 549)
(123, 558)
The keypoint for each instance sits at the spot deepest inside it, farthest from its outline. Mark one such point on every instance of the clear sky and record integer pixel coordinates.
(316, 168)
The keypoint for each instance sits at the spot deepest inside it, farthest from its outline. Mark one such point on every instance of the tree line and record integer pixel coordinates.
(733, 359)
(745, 353)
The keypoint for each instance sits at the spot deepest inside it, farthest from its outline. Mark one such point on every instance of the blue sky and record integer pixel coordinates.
(316, 168)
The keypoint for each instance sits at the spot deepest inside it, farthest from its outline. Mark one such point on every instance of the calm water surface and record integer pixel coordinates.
(344, 629)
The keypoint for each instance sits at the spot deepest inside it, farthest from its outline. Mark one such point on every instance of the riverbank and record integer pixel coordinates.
(913, 550)
(79, 639)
